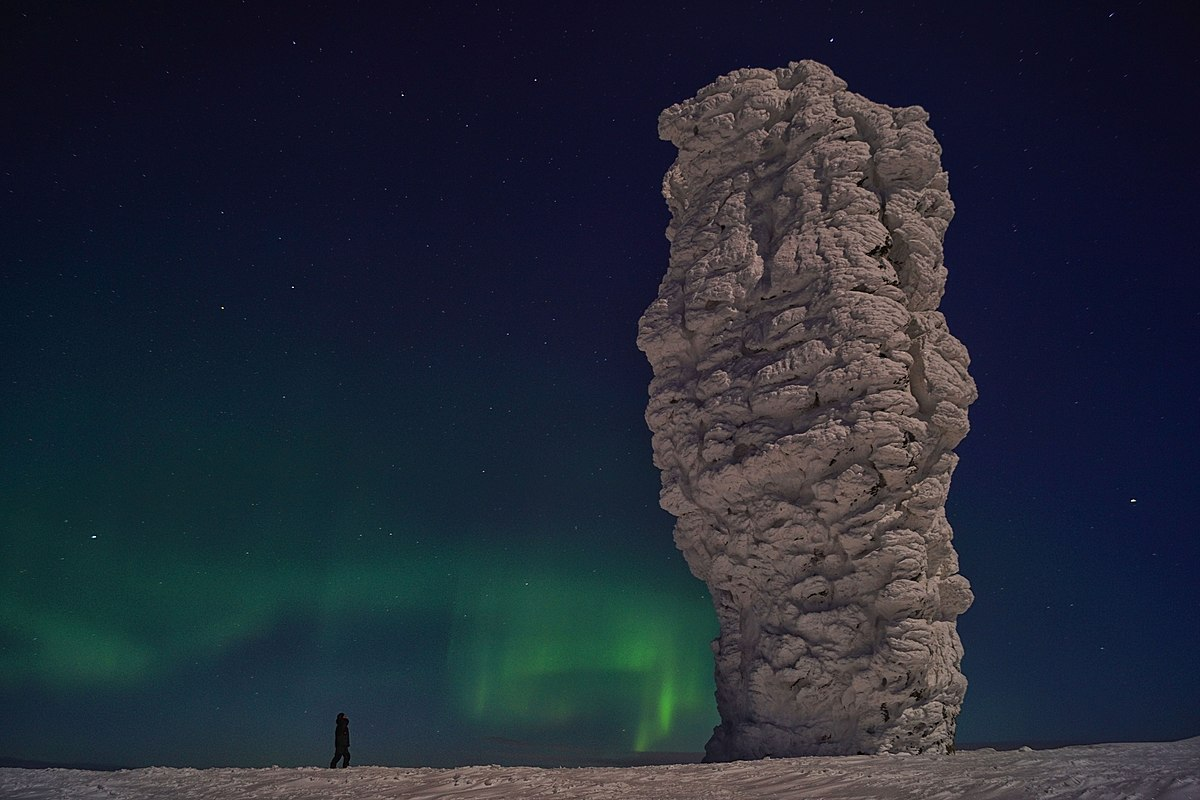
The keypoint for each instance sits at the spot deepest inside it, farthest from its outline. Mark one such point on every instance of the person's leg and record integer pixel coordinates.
(333, 763)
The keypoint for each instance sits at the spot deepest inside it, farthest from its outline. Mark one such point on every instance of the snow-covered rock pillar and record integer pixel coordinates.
(806, 398)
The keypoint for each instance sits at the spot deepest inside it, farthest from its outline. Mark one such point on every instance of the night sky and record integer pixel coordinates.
(320, 390)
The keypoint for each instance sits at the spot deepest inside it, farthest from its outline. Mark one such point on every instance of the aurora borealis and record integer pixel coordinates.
(263, 551)
(320, 393)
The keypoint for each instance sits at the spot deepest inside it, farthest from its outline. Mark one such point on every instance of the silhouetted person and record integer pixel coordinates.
(341, 741)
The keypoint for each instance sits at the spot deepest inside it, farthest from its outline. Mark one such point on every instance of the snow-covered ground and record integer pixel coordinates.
(1168, 771)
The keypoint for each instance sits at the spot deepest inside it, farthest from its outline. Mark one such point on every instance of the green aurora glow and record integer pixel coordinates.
(460, 577)
(536, 641)
(522, 642)
(462, 574)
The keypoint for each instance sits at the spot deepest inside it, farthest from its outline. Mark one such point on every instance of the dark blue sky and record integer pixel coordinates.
(320, 390)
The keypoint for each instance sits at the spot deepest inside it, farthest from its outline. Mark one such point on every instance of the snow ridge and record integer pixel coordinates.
(1153, 771)
(806, 399)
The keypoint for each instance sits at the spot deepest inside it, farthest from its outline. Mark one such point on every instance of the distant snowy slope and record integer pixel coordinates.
(1167, 771)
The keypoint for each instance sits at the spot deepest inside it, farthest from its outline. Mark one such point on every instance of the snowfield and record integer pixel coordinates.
(1168, 771)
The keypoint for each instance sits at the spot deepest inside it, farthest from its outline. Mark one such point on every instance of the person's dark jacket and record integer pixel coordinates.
(341, 734)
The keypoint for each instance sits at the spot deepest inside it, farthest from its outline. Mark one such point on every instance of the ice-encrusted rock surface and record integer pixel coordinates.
(806, 399)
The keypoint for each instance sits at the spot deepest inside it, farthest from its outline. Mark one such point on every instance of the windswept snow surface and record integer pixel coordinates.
(1168, 771)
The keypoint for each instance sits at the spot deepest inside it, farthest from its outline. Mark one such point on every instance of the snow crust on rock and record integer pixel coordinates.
(806, 399)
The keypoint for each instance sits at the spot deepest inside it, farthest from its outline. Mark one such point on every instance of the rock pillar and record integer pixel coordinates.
(806, 400)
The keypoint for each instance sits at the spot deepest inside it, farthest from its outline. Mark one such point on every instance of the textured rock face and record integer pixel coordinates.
(806, 398)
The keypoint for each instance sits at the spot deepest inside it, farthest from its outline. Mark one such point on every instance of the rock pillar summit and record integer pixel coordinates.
(806, 400)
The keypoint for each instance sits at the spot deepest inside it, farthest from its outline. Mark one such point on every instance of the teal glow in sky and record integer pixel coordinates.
(148, 565)
(530, 645)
